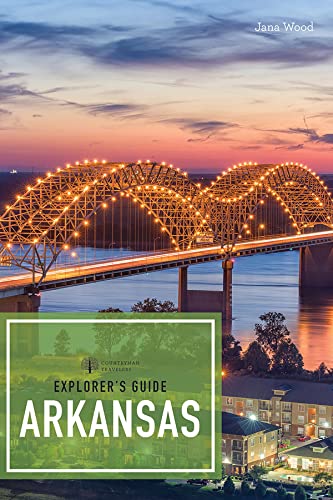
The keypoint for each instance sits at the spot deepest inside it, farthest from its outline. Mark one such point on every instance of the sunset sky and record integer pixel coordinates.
(189, 82)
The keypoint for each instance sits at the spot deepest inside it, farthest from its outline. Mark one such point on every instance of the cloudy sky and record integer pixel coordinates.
(185, 81)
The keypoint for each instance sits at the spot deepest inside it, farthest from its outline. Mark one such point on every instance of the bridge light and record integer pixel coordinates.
(246, 226)
(35, 240)
(262, 226)
(104, 205)
(103, 161)
(163, 229)
(251, 216)
(95, 161)
(85, 223)
(9, 245)
(29, 188)
(68, 165)
(248, 231)
(76, 234)
(74, 254)
(7, 207)
(86, 162)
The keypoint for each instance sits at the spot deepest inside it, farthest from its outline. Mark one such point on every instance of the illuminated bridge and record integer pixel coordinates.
(249, 208)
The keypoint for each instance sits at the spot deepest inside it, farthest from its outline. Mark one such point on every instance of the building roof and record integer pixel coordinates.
(297, 391)
(242, 426)
(324, 450)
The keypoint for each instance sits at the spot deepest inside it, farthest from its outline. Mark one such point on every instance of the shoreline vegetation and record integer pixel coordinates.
(271, 354)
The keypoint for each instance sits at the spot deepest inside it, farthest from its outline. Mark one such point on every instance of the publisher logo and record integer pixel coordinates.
(89, 364)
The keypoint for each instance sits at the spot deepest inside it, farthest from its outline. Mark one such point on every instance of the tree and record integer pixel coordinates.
(107, 336)
(271, 331)
(62, 343)
(228, 486)
(111, 310)
(300, 493)
(245, 488)
(231, 353)
(287, 360)
(322, 477)
(321, 371)
(260, 489)
(154, 305)
(257, 471)
(281, 492)
(255, 359)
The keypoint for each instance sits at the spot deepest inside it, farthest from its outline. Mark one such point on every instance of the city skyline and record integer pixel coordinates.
(189, 84)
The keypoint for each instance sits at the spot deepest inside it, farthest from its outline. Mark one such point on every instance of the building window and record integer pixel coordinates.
(300, 419)
(229, 401)
(286, 427)
(322, 410)
(237, 445)
(300, 430)
(260, 439)
(301, 408)
(322, 420)
(252, 454)
(236, 457)
(249, 403)
(286, 406)
(252, 441)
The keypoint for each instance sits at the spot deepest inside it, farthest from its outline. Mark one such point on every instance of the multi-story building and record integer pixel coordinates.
(297, 406)
(247, 442)
(313, 457)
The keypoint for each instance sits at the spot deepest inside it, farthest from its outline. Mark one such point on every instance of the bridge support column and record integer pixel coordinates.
(227, 266)
(316, 266)
(20, 303)
(182, 289)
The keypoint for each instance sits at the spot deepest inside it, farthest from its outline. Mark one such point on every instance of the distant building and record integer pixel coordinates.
(316, 457)
(247, 442)
(297, 406)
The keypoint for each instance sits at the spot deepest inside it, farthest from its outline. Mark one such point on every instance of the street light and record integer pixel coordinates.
(155, 239)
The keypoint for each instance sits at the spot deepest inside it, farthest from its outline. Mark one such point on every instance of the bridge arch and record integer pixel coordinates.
(242, 189)
(51, 213)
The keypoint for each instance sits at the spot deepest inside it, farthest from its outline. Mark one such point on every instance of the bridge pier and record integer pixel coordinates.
(316, 266)
(20, 303)
(206, 300)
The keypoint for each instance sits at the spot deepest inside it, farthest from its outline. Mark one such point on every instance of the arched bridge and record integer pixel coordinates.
(50, 214)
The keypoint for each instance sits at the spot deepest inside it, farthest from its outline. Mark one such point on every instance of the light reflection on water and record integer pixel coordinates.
(262, 283)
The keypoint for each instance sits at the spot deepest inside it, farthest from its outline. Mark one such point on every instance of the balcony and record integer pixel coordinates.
(265, 406)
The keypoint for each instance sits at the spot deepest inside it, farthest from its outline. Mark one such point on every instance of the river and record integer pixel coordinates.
(262, 283)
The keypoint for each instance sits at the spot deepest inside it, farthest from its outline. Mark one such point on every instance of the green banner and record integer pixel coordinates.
(110, 395)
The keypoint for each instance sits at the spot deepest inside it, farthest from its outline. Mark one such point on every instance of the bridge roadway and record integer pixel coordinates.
(157, 261)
